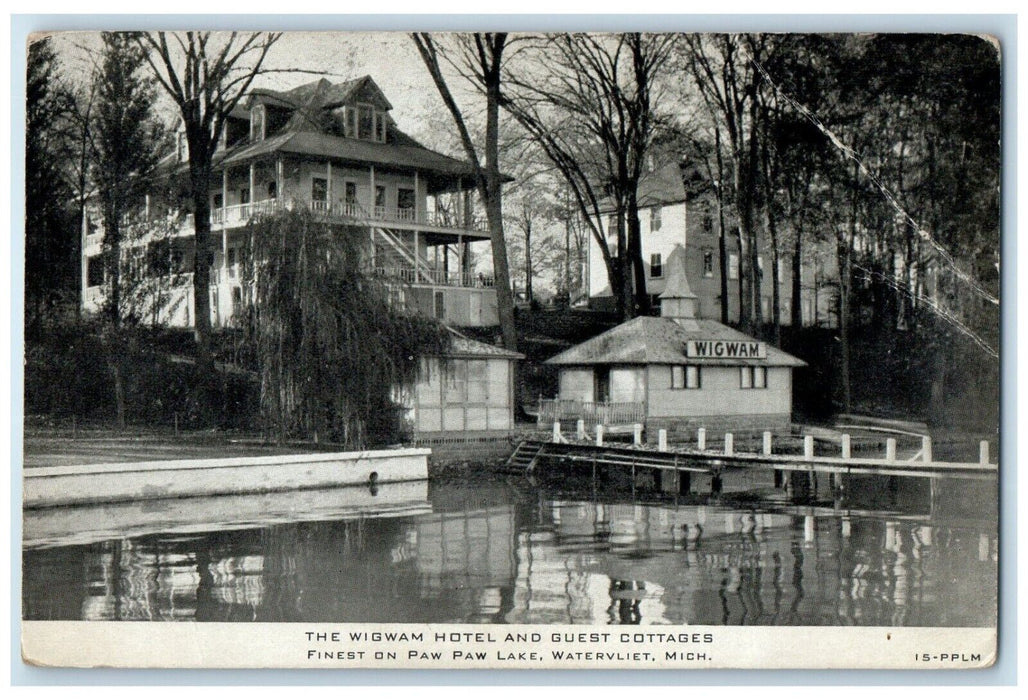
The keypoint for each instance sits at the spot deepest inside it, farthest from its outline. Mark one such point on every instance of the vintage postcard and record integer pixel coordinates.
(528, 350)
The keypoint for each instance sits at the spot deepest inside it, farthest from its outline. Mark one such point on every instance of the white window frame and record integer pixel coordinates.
(655, 217)
(685, 377)
(656, 263)
(258, 110)
(753, 377)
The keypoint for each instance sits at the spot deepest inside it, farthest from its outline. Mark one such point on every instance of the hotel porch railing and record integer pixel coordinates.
(435, 278)
(592, 412)
(344, 211)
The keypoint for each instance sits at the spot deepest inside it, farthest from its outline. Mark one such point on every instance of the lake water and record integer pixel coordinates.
(880, 551)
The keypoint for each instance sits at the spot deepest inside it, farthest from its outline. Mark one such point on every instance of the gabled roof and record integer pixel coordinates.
(322, 94)
(402, 153)
(648, 340)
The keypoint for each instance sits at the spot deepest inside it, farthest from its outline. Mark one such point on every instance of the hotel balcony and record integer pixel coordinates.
(343, 212)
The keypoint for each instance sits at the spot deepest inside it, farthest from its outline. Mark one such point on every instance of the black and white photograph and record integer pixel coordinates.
(511, 350)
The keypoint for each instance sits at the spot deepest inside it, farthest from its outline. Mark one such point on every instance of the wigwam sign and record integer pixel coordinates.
(724, 349)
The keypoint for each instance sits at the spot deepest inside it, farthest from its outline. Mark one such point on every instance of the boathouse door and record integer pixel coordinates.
(601, 387)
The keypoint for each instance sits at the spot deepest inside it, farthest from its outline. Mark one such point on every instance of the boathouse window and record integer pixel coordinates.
(708, 263)
(753, 377)
(478, 381)
(455, 389)
(656, 266)
(685, 377)
(655, 218)
(94, 271)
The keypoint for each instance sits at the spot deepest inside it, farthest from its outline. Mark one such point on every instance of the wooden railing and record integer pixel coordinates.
(343, 209)
(435, 278)
(592, 412)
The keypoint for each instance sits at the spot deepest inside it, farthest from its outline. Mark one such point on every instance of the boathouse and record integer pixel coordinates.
(675, 371)
(466, 395)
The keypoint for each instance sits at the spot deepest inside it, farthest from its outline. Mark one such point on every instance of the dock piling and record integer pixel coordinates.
(846, 451)
(808, 528)
(599, 435)
(637, 434)
(729, 444)
(808, 447)
(662, 440)
(926, 448)
(890, 449)
(556, 431)
(983, 452)
(767, 442)
(580, 429)
(701, 439)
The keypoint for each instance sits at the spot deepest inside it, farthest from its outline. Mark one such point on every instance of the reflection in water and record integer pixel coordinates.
(501, 553)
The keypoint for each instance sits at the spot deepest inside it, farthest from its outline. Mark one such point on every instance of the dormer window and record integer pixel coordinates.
(364, 122)
(257, 123)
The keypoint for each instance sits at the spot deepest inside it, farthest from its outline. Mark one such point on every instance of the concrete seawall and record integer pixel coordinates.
(132, 481)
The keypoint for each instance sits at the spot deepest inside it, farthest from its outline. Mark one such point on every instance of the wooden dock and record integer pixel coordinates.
(594, 450)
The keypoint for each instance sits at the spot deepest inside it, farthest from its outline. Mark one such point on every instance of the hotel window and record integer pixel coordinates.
(178, 261)
(685, 377)
(405, 202)
(244, 195)
(612, 224)
(733, 266)
(654, 218)
(319, 190)
(380, 127)
(217, 201)
(257, 123)
(656, 266)
(380, 196)
(351, 192)
(350, 119)
(365, 122)
(708, 264)
(272, 189)
(94, 271)
(752, 377)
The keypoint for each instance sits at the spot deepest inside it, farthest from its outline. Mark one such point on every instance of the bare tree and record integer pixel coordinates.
(479, 60)
(590, 101)
(724, 70)
(206, 74)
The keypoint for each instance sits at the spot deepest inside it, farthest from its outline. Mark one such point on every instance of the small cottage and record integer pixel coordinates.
(469, 392)
(676, 372)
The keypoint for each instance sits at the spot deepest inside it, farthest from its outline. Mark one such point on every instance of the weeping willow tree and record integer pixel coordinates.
(335, 358)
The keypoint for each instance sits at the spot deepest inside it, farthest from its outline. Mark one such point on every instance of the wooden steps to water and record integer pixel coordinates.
(525, 455)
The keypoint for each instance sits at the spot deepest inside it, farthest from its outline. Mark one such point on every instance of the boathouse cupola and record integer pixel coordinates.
(677, 301)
